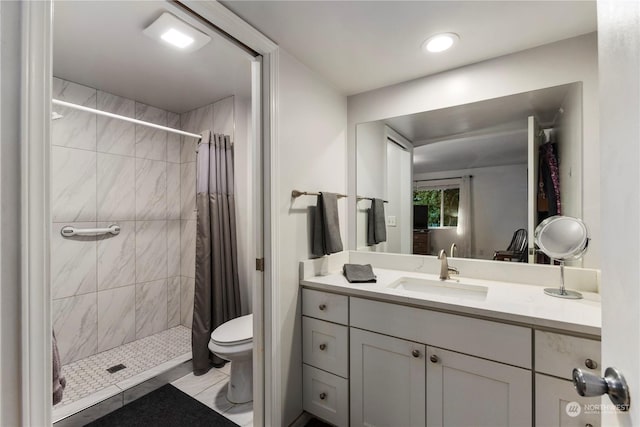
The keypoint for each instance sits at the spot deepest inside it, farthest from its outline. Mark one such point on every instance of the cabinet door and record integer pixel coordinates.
(468, 391)
(387, 381)
(556, 404)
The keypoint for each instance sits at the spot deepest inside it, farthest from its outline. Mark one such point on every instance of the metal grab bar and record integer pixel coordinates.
(69, 230)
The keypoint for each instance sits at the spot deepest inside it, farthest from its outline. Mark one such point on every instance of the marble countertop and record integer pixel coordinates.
(511, 302)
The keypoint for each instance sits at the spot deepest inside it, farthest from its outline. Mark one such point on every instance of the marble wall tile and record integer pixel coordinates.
(188, 190)
(151, 189)
(151, 143)
(117, 256)
(116, 136)
(186, 301)
(73, 190)
(75, 324)
(116, 317)
(223, 112)
(116, 196)
(151, 250)
(174, 202)
(195, 121)
(173, 302)
(188, 248)
(76, 128)
(173, 140)
(173, 248)
(73, 262)
(151, 304)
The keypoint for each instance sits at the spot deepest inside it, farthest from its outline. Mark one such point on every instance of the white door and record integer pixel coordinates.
(387, 381)
(554, 398)
(533, 142)
(468, 391)
(619, 88)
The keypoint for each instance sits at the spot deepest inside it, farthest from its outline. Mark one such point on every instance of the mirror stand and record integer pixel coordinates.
(561, 292)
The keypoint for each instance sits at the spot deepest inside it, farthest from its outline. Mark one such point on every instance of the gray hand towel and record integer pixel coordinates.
(358, 273)
(371, 227)
(380, 226)
(59, 382)
(326, 226)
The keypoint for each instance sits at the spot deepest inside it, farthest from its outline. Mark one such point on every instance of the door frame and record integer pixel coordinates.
(35, 126)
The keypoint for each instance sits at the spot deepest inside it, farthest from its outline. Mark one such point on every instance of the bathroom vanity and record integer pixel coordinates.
(411, 350)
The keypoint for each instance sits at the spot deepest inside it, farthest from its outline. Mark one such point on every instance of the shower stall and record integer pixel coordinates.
(123, 195)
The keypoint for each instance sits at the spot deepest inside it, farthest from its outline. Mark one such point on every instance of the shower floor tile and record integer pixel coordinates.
(88, 376)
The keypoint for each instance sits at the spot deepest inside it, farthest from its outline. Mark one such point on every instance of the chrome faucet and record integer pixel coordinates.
(445, 270)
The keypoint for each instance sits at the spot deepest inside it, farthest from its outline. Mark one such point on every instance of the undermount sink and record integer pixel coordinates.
(448, 288)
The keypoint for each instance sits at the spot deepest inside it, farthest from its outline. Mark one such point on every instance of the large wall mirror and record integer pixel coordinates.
(473, 179)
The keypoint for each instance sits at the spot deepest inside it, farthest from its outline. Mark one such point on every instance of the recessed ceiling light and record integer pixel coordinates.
(177, 38)
(440, 42)
(172, 31)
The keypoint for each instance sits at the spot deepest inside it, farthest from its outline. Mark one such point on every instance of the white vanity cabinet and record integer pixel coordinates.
(411, 366)
(387, 380)
(555, 357)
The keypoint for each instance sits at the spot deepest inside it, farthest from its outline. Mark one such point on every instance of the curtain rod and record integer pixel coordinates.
(442, 179)
(296, 194)
(125, 118)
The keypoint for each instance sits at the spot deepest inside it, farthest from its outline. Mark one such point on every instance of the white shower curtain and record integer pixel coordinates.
(464, 218)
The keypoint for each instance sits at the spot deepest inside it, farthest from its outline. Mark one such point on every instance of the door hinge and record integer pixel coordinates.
(259, 264)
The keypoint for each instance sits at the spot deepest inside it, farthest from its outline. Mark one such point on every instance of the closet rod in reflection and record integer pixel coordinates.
(124, 118)
(369, 198)
(295, 194)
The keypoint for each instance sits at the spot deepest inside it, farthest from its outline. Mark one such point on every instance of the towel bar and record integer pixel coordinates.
(69, 231)
(369, 198)
(296, 193)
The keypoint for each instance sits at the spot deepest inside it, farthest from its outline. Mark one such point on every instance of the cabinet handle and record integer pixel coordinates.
(588, 425)
(322, 307)
(415, 353)
(591, 364)
(323, 346)
(434, 358)
(323, 396)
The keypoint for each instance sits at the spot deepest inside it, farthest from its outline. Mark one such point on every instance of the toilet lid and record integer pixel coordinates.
(235, 331)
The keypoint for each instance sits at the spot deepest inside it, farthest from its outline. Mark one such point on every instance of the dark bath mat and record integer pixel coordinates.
(164, 407)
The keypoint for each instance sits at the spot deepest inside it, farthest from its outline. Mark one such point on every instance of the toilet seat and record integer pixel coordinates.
(235, 332)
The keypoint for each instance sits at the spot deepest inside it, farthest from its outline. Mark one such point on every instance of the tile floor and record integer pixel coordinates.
(211, 389)
(87, 376)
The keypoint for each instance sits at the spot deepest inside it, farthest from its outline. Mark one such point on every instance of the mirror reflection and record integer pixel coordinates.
(475, 179)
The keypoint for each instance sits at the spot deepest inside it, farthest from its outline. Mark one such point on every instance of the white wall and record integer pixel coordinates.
(399, 196)
(311, 156)
(555, 64)
(498, 208)
(569, 127)
(10, 69)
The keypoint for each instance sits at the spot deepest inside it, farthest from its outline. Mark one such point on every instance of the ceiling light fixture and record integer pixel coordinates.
(172, 31)
(440, 42)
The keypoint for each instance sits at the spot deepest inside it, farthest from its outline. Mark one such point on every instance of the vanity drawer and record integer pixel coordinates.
(325, 306)
(325, 345)
(483, 338)
(325, 395)
(558, 354)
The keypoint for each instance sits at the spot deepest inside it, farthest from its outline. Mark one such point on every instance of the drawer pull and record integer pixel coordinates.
(591, 364)
(434, 358)
(323, 347)
(322, 307)
(588, 425)
(323, 396)
(415, 353)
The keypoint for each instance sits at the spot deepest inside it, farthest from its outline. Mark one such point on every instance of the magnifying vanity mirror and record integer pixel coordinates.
(474, 179)
(562, 238)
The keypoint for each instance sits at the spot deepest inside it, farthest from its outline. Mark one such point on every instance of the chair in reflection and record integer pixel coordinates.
(517, 250)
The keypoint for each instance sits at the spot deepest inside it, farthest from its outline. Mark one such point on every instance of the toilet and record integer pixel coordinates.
(233, 341)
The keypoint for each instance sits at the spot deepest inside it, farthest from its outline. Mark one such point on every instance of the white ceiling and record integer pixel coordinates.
(481, 134)
(100, 44)
(363, 45)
